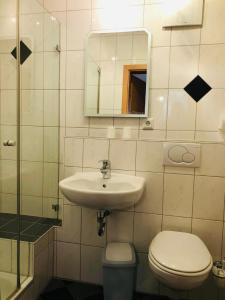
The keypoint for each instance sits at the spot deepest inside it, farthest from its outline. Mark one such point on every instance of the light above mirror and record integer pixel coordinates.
(117, 74)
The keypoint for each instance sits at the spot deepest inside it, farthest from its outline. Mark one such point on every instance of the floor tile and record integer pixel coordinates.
(58, 294)
(68, 290)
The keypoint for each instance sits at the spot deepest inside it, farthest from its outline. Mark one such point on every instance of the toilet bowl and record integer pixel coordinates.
(179, 260)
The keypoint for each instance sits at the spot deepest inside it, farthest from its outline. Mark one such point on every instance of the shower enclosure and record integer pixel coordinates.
(29, 135)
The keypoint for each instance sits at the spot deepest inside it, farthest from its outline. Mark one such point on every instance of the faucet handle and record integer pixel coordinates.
(106, 163)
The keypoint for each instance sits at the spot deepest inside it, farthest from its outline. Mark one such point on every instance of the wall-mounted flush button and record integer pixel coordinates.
(188, 157)
(182, 155)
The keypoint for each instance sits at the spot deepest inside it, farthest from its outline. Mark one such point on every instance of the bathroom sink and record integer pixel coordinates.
(89, 189)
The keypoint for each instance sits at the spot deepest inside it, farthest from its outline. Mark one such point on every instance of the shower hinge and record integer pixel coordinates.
(55, 207)
(58, 48)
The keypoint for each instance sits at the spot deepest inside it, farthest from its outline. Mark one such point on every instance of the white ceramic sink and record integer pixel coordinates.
(89, 189)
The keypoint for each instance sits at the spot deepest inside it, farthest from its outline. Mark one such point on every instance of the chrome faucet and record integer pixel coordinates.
(106, 168)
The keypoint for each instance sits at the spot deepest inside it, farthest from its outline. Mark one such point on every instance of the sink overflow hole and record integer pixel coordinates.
(104, 185)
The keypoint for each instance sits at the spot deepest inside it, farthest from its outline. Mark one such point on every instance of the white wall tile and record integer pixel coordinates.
(120, 227)
(32, 107)
(78, 4)
(149, 157)
(206, 136)
(101, 122)
(32, 151)
(209, 198)
(68, 261)
(185, 36)
(91, 256)
(50, 180)
(7, 132)
(210, 111)
(178, 195)
(153, 21)
(75, 70)
(212, 65)
(75, 109)
(158, 107)
(126, 161)
(74, 152)
(32, 25)
(51, 37)
(51, 70)
(212, 160)
(8, 203)
(183, 58)
(8, 71)
(94, 151)
(213, 23)
(62, 18)
(181, 136)
(152, 198)
(152, 135)
(89, 234)
(32, 72)
(8, 107)
(55, 5)
(181, 111)
(24, 257)
(78, 27)
(211, 234)
(71, 229)
(146, 283)
(159, 70)
(148, 224)
(176, 224)
(31, 206)
(32, 172)
(51, 144)
(8, 177)
(110, 17)
(6, 255)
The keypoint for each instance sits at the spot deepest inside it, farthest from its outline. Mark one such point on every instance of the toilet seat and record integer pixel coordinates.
(173, 272)
(179, 260)
(180, 253)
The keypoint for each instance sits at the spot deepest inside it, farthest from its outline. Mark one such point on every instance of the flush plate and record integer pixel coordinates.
(182, 155)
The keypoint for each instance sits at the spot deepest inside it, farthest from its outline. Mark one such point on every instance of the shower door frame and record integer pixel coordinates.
(18, 135)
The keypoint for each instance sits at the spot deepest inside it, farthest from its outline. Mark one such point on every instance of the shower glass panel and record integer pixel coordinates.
(9, 242)
(29, 135)
(40, 45)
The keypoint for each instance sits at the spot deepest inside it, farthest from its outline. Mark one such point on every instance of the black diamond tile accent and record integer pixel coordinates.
(25, 52)
(197, 88)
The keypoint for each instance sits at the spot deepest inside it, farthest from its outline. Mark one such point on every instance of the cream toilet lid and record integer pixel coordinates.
(178, 251)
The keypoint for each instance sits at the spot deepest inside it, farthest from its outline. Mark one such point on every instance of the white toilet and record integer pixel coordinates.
(179, 260)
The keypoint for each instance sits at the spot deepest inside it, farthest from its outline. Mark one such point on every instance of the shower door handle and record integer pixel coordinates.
(9, 143)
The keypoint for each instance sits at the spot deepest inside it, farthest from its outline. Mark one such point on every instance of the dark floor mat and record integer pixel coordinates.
(149, 297)
(83, 291)
(95, 297)
(58, 294)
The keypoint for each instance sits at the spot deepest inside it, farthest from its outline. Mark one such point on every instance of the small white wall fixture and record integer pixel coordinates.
(183, 13)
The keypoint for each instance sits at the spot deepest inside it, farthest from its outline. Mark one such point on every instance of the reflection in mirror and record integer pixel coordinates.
(117, 74)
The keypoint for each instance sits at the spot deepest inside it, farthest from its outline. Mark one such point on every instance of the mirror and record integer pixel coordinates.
(117, 74)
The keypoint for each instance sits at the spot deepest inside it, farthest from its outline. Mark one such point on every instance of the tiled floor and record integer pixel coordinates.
(31, 227)
(65, 290)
